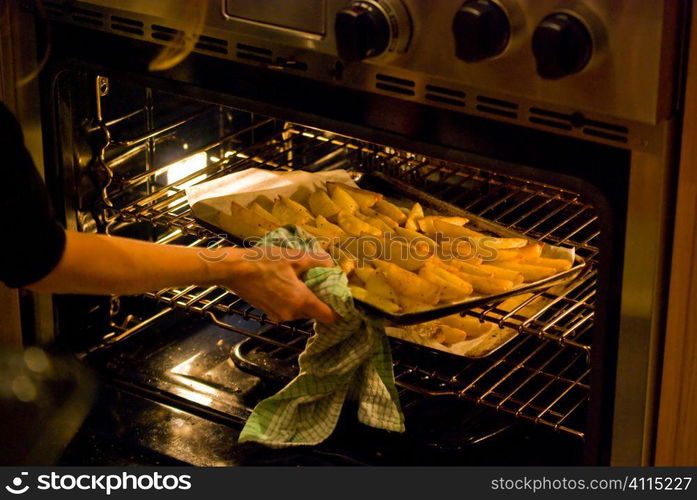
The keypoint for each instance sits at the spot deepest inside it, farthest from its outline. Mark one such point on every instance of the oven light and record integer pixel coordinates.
(235, 153)
(185, 167)
(193, 181)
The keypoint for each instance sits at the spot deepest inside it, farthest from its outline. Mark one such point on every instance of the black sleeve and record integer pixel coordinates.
(32, 240)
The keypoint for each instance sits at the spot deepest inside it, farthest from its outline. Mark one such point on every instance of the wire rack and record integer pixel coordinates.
(541, 376)
(537, 380)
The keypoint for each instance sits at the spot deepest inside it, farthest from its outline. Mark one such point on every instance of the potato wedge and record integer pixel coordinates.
(365, 272)
(322, 236)
(560, 265)
(454, 231)
(469, 268)
(416, 211)
(408, 283)
(474, 261)
(488, 286)
(386, 219)
(413, 237)
(483, 285)
(479, 239)
(353, 225)
(530, 272)
(411, 305)
(451, 335)
(369, 212)
(243, 222)
(488, 256)
(426, 223)
(411, 224)
(449, 291)
(373, 221)
(344, 200)
(363, 249)
(363, 197)
(463, 250)
(469, 324)
(346, 262)
(464, 287)
(321, 204)
(491, 242)
(381, 303)
(506, 274)
(377, 285)
(321, 222)
(531, 251)
(456, 220)
(398, 252)
(264, 213)
(288, 211)
(390, 210)
(323, 232)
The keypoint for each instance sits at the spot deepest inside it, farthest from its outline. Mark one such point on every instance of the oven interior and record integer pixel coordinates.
(127, 152)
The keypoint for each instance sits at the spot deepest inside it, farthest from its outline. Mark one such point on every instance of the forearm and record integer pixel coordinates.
(102, 265)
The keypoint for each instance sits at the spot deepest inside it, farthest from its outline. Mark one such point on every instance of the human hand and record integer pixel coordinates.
(268, 278)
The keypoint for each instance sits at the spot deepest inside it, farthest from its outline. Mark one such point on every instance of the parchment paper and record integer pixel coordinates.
(209, 199)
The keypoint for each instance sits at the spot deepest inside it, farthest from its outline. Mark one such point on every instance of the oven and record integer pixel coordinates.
(555, 119)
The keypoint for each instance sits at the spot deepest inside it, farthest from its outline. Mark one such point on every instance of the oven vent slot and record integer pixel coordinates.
(86, 16)
(550, 123)
(588, 126)
(127, 25)
(445, 95)
(604, 135)
(54, 9)
(212, 44)
(252, 53)
(497, 107)
(394, 84)
(163, 33)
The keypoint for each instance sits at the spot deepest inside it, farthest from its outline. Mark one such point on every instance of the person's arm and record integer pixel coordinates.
(266, 278)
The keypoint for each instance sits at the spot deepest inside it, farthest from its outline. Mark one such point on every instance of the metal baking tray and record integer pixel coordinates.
(402, 193)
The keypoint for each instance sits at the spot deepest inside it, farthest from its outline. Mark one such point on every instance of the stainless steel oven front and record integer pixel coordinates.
(554, 118)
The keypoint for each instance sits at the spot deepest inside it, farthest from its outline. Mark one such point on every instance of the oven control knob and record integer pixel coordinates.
(562, 45)
(362, 31)
(371, 28)
(481, 30)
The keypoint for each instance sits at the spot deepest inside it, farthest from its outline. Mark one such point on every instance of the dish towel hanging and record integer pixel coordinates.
(348, 359)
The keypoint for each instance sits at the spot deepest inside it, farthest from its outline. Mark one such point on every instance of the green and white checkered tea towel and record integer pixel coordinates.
(349, 359)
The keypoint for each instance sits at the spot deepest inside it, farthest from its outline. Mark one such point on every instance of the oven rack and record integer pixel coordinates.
(537, 380)
(567, 312)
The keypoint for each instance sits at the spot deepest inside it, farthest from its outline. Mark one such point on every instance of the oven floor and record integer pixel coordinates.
(125, 428)
(172, 396)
